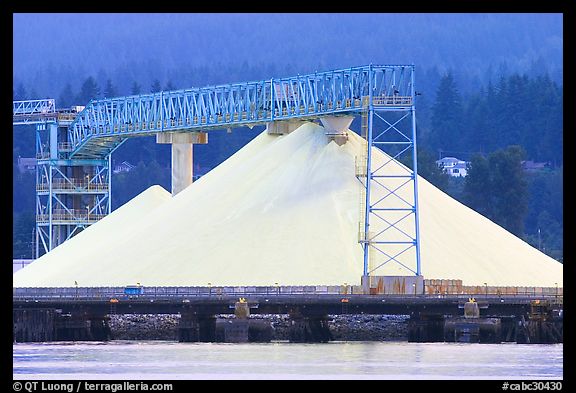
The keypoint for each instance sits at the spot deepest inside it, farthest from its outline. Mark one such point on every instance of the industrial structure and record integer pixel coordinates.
(73, 191)
(74, 147)
(82, 314)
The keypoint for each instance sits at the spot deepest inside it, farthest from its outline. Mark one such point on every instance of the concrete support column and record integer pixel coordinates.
(181, 166)
(53, 141)
(282, 127)
(234, 329)
(182, 148)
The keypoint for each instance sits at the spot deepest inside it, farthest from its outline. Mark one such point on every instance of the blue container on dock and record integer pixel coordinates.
(133, 290)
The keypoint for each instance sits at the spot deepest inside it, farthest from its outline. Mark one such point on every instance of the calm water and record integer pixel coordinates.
(164, 360)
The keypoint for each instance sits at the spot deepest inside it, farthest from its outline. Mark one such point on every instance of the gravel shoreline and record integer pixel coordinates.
(360, 327)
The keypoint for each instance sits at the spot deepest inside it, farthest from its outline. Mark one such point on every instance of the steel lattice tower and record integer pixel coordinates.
(397, 138)
(71, 194)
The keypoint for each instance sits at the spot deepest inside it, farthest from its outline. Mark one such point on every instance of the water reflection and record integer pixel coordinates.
(334, 360)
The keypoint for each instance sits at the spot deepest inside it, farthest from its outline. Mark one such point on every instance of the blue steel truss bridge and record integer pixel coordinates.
(74, 145)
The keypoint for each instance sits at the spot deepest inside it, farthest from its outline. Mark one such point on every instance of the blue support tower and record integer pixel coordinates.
(71, 194)
(396, 111)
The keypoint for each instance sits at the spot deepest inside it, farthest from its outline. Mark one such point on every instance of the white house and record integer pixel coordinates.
(125, 166)
(453, 166)
(26, 164)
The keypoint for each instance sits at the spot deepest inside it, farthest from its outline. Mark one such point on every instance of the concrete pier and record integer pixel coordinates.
(539, 332)
(33, 325)
(236, 329)
(231, 330)
(426, 328)
(73, 327)
(197, 328)
(481, 330)
(309, 328)
(45, 325)
(45, 314)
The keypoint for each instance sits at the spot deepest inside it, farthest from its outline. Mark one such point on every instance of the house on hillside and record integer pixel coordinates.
(532, 166)
(125, 166)
(453, 166)
(26, 164)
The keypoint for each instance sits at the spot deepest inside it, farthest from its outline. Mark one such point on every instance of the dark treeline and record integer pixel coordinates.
(512, 118)
(515, 110)
(192, 50)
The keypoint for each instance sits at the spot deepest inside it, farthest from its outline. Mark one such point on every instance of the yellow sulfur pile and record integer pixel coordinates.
(283, 209)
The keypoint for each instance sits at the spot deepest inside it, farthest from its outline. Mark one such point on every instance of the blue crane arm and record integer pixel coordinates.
(239, 104)
(33, 111)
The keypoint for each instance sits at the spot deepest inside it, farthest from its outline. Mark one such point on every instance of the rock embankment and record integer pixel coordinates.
(342, 327)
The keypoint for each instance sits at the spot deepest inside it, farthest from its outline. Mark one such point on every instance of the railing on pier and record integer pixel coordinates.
(89, 293)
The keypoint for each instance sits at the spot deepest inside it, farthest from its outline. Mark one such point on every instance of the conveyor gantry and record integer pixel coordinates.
(97, 130)
(372, 90)
(33, 111)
